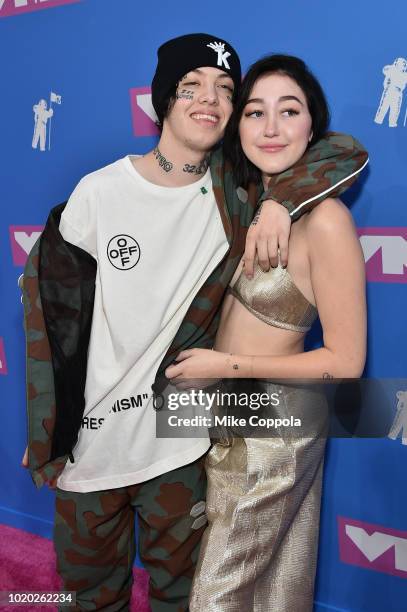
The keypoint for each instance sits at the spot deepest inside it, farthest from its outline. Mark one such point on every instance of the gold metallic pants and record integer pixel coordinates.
(259, 552)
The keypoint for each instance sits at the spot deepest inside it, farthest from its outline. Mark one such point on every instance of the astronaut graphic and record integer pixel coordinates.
(41, 115)
(400, 421)
(395, 80)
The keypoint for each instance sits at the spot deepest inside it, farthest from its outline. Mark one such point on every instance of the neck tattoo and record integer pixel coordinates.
(166, 165)
(199, 169)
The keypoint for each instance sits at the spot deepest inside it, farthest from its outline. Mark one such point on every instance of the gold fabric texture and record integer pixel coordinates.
(259, 551)
(274, 298)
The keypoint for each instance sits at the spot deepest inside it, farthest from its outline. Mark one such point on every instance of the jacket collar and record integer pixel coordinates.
(230, 199)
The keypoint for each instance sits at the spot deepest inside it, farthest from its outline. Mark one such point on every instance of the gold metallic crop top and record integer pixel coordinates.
(274, 298)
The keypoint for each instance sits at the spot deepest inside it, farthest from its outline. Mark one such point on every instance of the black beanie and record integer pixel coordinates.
(180, 55)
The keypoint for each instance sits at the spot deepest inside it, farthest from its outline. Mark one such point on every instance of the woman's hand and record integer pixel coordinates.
(198, 364)
(268, 234)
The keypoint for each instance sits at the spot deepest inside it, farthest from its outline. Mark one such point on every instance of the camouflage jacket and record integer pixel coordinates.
(59, 285)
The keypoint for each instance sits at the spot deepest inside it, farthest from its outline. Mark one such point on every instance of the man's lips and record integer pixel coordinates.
(206, 118)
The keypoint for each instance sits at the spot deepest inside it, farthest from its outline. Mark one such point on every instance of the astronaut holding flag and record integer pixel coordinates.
(41, 116)
(395, 80)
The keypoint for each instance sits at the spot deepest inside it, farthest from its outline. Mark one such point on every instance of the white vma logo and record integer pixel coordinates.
(41, 116)
(400, 420)
(25, 241)
(395, 80)
(373, 546)
(146, 105)
(222, 54)
(393, 248)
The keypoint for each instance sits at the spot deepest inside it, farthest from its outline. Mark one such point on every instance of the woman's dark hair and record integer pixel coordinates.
(244, 171)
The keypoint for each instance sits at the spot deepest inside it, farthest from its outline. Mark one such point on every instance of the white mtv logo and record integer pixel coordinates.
(20, 3)
(394, 251)
(372, 546)
(26, 241)
(146, 105)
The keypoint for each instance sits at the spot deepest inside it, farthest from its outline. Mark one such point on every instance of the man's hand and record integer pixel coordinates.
(198, 364)
(268, 234)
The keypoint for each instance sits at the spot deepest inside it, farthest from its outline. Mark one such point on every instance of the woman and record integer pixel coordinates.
(259, 551)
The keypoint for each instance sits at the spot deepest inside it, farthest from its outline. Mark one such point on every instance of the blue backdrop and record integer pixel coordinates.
(92, 62)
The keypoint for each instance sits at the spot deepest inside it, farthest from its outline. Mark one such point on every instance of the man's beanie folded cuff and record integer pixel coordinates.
(180, 55)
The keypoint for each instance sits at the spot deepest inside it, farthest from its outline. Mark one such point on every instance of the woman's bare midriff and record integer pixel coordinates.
(243, 333)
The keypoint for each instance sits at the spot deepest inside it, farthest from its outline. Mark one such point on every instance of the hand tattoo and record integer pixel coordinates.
(257, 215)
(166, 165)
(200, 169)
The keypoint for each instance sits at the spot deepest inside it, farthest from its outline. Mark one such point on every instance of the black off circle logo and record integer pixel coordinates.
(123, 252)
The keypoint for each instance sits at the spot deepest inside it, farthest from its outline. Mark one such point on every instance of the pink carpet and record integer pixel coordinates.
(27, 563)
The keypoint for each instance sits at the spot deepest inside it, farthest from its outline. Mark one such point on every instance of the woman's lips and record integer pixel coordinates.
(272, 148)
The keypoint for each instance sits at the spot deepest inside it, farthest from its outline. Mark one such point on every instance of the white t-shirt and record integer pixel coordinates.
(155, 247)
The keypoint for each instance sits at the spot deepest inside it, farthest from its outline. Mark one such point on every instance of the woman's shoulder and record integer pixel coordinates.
(328, 218)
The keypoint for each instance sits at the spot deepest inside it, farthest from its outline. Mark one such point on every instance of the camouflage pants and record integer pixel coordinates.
(94, 540)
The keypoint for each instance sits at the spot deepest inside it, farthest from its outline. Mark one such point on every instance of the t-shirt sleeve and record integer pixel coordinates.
(78, 221)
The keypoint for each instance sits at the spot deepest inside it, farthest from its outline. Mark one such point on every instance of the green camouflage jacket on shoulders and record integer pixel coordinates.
(58, 291)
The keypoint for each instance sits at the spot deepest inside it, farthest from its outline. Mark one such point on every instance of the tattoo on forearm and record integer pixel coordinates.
(257, 215)
(327, 376)
(200, 169)
(234, 365)
(166, 165)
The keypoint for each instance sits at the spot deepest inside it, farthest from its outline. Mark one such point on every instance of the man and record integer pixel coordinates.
(109, 311)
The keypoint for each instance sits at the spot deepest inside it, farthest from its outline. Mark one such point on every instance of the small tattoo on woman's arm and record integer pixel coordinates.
(327, 376)
(234, 365)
